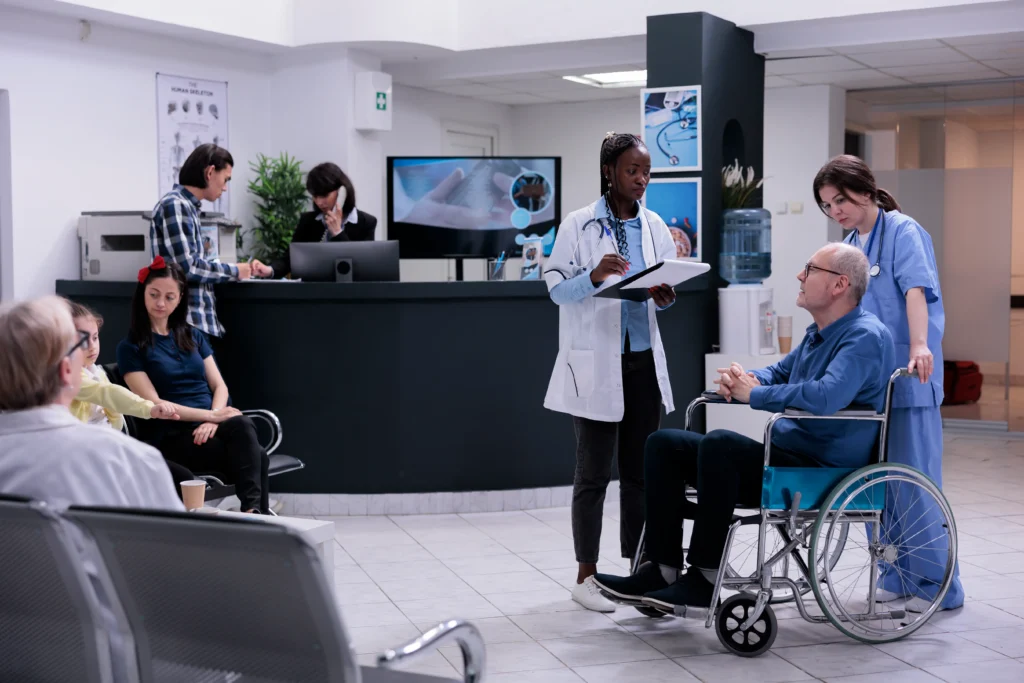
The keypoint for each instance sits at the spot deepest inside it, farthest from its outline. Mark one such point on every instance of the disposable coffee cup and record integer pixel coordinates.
(785, 326)
(193, 494)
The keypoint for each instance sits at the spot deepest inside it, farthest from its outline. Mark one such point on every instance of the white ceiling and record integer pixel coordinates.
(881, 65)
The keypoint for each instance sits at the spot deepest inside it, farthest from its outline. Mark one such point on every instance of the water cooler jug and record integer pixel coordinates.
(746, 315)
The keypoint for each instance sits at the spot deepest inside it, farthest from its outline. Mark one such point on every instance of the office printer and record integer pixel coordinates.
(115, 245)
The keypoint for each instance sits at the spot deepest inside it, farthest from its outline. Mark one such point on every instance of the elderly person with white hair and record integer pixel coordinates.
(45, 452)
(846, 358)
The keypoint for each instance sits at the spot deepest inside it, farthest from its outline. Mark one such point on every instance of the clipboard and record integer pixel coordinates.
(670, 272)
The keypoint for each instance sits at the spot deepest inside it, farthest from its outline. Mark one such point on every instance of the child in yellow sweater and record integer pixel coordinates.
(99, 401)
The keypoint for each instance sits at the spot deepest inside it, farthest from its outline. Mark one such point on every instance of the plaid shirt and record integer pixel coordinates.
(175, 235)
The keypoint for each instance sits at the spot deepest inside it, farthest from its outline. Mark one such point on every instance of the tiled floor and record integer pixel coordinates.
(509, 573)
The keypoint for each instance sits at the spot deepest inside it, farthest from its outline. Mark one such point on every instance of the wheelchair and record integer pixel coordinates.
(827, 531)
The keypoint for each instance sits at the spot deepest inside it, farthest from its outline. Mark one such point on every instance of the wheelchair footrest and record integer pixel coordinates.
(683, 611)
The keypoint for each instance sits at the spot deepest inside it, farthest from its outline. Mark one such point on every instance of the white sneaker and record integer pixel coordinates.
(882, 595)
(920, 605)
(589, 595)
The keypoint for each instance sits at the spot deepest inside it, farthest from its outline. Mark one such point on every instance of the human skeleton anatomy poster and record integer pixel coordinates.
(190, 112)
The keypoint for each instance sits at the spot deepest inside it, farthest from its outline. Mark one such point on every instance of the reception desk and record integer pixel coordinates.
(408, 387)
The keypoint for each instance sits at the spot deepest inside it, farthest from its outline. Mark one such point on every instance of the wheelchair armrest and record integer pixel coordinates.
(713, 397)
(852, 412)
(270, 419)
(465, 634)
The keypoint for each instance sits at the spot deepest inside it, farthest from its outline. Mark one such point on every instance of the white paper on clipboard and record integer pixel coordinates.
(670, 273)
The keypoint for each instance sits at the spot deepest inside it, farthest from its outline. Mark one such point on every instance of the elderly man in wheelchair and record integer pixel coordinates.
(810, 480)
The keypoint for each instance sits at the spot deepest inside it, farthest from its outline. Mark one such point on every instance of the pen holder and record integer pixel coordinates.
(496, 269)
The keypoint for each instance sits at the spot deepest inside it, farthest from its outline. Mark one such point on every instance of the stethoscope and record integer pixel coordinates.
(604, 225)
(879, 229)
(688, 134)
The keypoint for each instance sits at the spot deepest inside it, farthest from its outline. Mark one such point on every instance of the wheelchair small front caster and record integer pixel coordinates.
(650, 612)
(754, 641)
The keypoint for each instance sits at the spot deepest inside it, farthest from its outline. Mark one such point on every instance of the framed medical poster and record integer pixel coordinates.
(671, 125)
(677, 201)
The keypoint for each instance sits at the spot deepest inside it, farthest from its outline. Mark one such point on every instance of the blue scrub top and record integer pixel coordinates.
(907, 260)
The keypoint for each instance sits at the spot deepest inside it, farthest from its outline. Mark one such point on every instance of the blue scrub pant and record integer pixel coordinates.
(915, 439)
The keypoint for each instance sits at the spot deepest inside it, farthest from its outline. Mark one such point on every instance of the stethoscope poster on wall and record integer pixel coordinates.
(677, 201)
(671, 127)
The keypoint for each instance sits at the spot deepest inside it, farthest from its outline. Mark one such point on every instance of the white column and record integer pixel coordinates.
(803, 128)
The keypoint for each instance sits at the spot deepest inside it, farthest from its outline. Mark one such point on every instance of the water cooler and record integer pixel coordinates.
(746, 313)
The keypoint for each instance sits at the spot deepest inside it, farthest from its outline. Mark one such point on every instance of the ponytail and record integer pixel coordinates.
(886, 201)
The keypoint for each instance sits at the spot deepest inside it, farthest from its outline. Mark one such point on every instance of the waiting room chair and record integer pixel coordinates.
(277, 621)
(52, 627)
(268, 429)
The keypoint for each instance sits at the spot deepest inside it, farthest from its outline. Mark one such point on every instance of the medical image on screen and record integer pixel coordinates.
(445, 206)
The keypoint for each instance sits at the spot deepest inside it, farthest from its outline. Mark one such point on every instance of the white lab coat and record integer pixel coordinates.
(587, 377)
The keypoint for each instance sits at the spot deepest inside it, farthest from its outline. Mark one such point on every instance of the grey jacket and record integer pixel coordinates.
(48, 455)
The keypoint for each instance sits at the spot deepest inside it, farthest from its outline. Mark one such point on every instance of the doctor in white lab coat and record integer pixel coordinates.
(610, 374)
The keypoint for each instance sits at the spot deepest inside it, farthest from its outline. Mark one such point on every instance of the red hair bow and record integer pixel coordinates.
(157, 264)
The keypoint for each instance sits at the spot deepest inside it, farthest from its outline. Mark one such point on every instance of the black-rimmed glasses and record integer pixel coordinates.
(810, 266)
(82, 343)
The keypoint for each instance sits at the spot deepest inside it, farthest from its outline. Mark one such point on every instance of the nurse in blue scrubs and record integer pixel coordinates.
(903, 291)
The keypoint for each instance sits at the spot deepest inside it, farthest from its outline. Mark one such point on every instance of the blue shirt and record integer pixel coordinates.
(634, 313)
(846, 363)
(177, 376)
(175, 234)
(906, 259)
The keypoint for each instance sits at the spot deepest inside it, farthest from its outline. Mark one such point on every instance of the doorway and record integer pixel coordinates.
(465, 140)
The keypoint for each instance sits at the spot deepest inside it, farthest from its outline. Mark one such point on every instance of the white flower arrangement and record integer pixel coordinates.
(738, 185)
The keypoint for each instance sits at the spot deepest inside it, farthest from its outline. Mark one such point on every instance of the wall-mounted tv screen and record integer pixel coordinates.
(448, 207)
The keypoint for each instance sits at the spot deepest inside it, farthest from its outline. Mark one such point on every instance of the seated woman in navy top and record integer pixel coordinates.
(164, 359)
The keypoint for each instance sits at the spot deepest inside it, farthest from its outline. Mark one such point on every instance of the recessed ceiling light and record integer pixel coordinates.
(615, 79)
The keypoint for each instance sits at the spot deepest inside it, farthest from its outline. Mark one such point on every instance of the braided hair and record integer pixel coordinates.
(612, 147)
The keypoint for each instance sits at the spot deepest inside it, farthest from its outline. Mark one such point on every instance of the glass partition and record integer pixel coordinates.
(948, 154)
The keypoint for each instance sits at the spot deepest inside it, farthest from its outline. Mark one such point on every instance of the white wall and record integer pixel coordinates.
(801, 127)
(6, 220)
(574, 132)
(454, 24)
(83, 129)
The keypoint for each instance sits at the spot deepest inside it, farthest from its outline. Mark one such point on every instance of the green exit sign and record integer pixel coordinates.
(382, 101)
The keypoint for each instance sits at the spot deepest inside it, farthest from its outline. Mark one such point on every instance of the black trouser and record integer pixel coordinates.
(726, 468)
(596, 445)
(234, 451)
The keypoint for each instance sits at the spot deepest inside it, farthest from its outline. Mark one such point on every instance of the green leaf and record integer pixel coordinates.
(281, 198)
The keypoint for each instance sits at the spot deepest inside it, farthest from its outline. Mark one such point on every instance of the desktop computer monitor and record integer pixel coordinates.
(373, 261)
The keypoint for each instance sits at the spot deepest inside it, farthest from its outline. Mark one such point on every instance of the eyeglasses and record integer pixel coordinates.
(83, 341)
(810, 266)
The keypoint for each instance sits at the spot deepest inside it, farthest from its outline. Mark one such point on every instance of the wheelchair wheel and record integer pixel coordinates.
(755, 640)
(902, 532)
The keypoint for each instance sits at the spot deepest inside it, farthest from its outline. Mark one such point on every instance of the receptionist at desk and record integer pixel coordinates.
(334, 218)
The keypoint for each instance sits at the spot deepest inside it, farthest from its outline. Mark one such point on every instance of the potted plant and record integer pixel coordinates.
(280, 199)
(745, 257)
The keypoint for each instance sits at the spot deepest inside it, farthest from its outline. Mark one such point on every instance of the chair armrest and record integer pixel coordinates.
(270, 419)
(462, 632)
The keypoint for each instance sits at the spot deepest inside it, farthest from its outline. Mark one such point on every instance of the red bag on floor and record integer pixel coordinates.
(961, 382)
